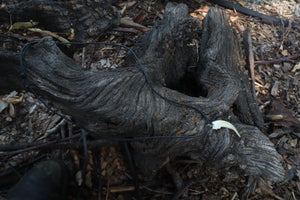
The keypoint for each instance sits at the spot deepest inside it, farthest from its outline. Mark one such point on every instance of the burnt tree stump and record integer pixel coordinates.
(199, 66)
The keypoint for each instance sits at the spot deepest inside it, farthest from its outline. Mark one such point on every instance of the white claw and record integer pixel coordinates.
(224, 124)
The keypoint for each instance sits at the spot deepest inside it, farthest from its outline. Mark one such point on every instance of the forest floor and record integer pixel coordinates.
(24, 119)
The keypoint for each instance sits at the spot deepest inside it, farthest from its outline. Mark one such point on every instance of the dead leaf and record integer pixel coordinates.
(140, 18)
(23, 25)
(3, 105)
(296, 67)
(285, 52)
(9, 119)
(121, 189)
(32, 108)
(13, 93)
(234, 18)
(12, 111)
(127, 22)
(15, 99)
(276, 117)
(241, 3)
(128, 4)
(286, 119)
(72, 34)
(293, 142)
(281, 47)
(61, 39)
(277, 66)
(274, 90)
(78, 177)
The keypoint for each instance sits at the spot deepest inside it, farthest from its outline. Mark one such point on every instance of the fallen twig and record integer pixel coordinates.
(35, 147)
(126, 30)
(86, 154)
(13, 149)
(233, 197)
(286, 59)
(250, 59)
(121, 189)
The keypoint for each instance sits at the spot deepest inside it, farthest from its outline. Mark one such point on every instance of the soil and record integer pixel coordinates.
(24, 119)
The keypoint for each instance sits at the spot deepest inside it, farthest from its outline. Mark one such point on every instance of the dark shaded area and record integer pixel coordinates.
(189, 85)
(47, 180)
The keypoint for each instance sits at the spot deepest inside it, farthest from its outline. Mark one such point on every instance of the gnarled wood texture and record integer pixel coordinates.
(200, 67)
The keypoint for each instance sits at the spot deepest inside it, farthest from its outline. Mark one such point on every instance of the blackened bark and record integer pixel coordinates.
(119, 102)
(10, 71)
(88, 19)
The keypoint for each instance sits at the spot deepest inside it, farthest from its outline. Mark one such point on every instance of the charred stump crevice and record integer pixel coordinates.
(199, 66)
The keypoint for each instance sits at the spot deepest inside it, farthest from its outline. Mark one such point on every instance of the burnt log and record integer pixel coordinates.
(198, 66)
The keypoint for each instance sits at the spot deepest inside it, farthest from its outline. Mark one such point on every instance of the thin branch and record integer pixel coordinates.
(250, 59)
(14, 149)
(86, 154)
(286, 59)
